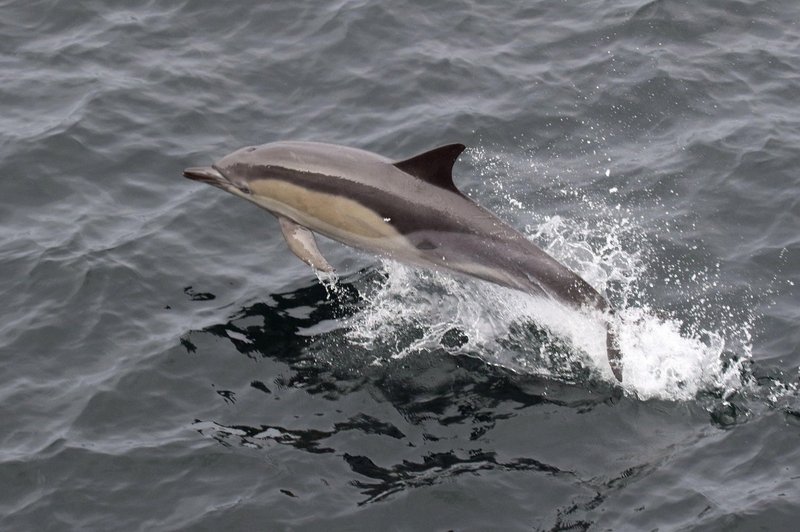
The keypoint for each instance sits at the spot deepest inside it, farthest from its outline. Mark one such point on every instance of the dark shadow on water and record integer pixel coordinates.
(433, 468)
(305, 329)
(459, 396)
(448, 402)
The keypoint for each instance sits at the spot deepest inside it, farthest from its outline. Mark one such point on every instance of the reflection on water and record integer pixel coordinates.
(438, 394)
(441, 398)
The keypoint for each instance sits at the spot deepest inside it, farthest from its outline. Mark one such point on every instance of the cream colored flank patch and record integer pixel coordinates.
(327, 213)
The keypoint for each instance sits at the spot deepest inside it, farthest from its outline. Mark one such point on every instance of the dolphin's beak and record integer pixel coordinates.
(207, 174)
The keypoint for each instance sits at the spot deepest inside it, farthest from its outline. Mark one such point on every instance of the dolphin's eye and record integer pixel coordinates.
(251, 148)
(243, 187)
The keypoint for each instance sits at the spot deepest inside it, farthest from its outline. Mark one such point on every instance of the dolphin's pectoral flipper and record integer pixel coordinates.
(301, 242)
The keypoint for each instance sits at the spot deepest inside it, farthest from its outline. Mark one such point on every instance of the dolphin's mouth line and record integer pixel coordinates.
(212, 176)
(206, 174)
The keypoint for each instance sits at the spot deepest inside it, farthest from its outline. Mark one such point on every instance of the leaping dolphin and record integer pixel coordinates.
(407, 210)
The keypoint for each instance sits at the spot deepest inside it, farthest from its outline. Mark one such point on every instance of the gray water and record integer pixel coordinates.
(167, 364)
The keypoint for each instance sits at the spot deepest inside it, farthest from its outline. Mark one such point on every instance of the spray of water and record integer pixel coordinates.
(665, 355)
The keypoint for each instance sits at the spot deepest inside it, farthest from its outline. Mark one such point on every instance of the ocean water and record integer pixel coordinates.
(168, 364)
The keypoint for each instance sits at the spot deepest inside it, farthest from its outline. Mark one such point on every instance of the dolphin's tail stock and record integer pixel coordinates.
(593, 298)
(612, 342)
(603, 305)
(614, 354)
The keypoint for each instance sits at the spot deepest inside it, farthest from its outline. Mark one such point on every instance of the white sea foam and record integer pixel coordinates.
(414, 310)
(664, 356)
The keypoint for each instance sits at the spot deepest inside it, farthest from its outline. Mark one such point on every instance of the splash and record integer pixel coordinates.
(329, 281)
(415, 311)
(667, 354)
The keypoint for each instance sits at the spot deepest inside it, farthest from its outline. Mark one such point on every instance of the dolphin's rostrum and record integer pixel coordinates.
(408, 210)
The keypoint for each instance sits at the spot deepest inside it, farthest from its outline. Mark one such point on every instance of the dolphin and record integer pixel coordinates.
(407, 210)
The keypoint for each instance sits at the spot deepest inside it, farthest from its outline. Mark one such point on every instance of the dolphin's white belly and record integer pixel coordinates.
(335, 217)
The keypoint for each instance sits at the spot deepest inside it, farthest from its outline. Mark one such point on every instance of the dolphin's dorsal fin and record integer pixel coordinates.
(434, 166)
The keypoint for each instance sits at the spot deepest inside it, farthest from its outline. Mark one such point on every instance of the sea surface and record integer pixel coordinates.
(168, 364)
